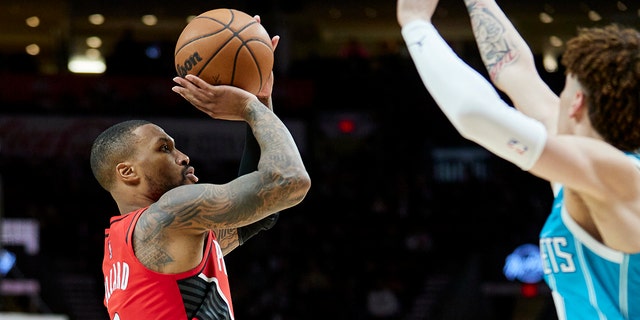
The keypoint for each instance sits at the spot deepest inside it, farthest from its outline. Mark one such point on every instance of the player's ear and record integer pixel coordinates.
(127, 173)
(578, 107)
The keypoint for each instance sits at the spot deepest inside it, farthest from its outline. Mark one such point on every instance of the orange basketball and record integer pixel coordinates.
(225, 46)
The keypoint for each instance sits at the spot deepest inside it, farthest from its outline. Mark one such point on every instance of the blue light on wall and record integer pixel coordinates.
(7, 260)
(524, 264)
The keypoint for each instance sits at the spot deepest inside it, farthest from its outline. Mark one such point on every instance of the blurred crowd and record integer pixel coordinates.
(378, 237)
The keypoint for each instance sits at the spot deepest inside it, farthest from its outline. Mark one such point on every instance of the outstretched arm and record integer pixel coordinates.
(477, 112)
(467, 99)
(600, 176)
(510, 63)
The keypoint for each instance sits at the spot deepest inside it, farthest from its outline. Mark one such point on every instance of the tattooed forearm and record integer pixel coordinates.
(495, 49)
(279, 182)
(286, 178)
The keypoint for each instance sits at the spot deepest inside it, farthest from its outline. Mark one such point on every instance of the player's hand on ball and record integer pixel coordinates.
(222, 102)
(226, 47)
(265, 94)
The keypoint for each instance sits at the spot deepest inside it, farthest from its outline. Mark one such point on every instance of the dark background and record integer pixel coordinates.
(400, 205)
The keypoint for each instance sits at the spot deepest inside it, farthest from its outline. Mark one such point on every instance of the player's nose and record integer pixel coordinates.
(182, 159)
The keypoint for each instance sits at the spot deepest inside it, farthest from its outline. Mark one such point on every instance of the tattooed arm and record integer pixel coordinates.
(170, 235)
(509, 62)
(280, 181)
(230, 239)
(249, 163)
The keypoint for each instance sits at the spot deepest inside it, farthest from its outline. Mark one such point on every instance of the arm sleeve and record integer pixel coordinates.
(470, 102)
(247, 232)
(250, 153)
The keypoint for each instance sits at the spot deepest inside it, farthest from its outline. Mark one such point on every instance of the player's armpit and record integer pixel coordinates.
(228, 239)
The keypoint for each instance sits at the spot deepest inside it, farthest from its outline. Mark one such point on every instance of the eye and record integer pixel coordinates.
(165, 148)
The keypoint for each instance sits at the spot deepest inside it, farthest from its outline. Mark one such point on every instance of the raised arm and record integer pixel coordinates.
(249, 163)
(467, 99)
(280, 181)
(587, 165)
(173, 228)
(510, 63)
(171, 233)
(232, 238)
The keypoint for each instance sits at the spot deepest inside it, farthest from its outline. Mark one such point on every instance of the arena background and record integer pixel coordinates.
(405, 219)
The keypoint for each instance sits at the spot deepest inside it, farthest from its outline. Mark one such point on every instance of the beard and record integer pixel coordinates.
(161, 183)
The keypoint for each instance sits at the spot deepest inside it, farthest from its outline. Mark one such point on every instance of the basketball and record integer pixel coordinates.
(225, 46)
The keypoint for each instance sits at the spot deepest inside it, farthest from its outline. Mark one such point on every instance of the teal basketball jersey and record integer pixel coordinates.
(588, 280)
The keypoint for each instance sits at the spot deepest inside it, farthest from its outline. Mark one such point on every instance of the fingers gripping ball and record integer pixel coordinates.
(225, 46)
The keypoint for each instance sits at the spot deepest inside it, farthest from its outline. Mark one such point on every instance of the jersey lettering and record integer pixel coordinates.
(118, 278)
(554, 258)
(221, 266)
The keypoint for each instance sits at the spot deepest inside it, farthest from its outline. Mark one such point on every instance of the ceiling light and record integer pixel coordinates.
(32, 49)
(545, 17)
(93, 42)
(33, 21)
(96, 19)
(555, 41)
(594, 15)
(550, 62)
(84, 64)
(621, 6)
(149, 20)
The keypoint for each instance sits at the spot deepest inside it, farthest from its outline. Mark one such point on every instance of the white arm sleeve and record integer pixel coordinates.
(470, 102)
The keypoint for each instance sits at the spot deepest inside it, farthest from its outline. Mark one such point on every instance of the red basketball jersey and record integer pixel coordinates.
(133, 292)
